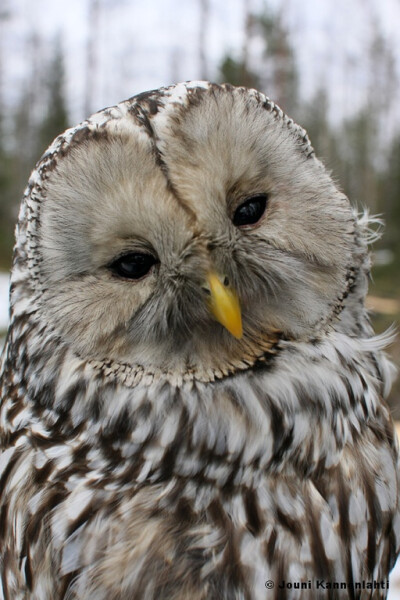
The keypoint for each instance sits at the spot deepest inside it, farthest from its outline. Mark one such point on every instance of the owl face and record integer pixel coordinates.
(188, 193)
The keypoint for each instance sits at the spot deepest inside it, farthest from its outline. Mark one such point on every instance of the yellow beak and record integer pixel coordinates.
(224, 305)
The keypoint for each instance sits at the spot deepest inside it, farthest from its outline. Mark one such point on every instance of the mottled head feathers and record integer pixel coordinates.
(163, 173)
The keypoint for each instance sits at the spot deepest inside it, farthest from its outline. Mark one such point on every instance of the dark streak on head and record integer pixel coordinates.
(142, 114)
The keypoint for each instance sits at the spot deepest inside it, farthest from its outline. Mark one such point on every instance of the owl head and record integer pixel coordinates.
(186, 230)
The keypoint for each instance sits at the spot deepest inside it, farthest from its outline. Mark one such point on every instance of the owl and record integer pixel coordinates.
(192, 394)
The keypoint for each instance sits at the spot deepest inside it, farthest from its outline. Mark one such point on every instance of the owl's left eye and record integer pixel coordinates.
(251, 211)
(133, 265)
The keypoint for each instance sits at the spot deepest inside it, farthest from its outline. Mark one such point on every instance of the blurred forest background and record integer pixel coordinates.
(332, 65)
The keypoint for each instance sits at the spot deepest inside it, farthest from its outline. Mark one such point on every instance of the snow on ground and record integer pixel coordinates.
(394, 588)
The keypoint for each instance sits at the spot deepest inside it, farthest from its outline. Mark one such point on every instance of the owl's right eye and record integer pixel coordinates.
(133, 265)
(251, 211)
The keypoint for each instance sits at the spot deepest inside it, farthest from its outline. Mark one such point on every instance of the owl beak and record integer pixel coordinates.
(224, 304)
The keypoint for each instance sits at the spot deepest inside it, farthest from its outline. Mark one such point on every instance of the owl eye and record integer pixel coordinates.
(133, 265)
(251, 211)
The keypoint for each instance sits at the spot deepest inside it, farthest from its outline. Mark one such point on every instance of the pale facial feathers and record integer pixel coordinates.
(115, 192)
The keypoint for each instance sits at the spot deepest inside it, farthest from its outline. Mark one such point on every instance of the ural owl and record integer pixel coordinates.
(192, 395)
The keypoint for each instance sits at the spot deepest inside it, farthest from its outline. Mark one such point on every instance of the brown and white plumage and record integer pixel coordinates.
(146, 451)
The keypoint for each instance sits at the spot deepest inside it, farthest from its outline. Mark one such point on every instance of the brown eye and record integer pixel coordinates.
(250, 211)
(133, 265)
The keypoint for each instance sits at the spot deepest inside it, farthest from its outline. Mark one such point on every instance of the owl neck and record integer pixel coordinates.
(291, 414)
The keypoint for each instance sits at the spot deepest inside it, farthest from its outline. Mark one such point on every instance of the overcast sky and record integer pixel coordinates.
(147, 43)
